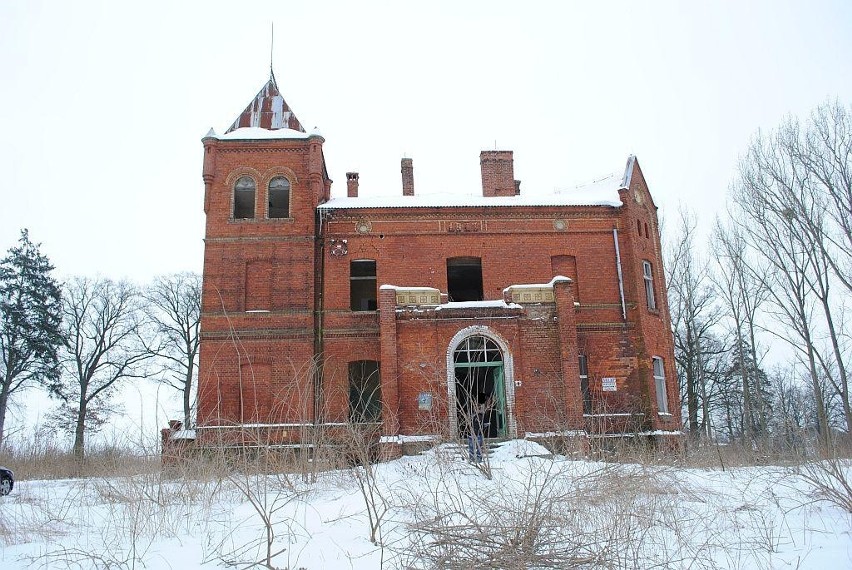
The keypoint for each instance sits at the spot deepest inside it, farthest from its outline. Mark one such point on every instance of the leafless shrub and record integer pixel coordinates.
(529, 521)
(829, 479)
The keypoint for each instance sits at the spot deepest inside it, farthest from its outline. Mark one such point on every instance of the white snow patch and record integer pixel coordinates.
(478, 305)
(257, 133)
(603, 192)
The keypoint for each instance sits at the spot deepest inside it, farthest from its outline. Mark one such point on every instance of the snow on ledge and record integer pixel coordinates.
(551, 283)
(183, 434)
(401, 439)
(552, 434)
(397, 287)
(257, 133)
(478, 305)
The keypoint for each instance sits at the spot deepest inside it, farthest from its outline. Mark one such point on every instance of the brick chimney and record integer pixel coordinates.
(352, 184)
(498, 173)
(407, 177)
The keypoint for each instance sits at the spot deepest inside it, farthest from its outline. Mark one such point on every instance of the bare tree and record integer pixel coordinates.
(742, 293)
(773, 193)
(174, 309)
(103, 348)
(826, 153)
(694, 313)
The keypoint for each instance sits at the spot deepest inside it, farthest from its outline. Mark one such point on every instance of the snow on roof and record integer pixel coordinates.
(268, 110)
(500, 304)
(601, 192)
(184, 434)
(257, 133)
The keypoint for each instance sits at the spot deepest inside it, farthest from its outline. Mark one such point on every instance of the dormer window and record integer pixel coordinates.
(279, 198)
(244, 191)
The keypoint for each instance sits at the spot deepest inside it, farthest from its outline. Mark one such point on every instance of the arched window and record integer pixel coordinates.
(244, 191)
(279, 197)
(478, 366)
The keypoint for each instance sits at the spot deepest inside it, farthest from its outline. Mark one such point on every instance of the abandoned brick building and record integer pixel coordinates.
(409, 310)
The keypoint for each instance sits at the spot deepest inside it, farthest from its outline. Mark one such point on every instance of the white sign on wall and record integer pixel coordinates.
(608, 384)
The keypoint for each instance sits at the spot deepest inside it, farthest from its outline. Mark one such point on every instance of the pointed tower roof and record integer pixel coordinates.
(268, 110)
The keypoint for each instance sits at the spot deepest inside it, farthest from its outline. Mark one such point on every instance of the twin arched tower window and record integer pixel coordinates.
(279, 198)
(245, 191)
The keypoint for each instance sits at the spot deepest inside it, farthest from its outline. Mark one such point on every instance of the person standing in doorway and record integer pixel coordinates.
(474, 436)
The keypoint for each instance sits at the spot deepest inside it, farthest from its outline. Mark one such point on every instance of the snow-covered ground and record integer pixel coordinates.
(435, 510)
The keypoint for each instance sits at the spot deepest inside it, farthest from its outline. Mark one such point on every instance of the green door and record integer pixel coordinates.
(499, 401)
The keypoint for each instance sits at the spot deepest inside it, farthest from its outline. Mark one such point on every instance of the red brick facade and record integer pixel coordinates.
(289, 303)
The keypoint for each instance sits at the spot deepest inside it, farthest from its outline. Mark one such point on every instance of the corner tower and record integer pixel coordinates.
(263, 180)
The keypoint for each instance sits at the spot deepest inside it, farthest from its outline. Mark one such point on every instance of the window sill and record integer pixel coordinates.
(666, 415)
(256, 220)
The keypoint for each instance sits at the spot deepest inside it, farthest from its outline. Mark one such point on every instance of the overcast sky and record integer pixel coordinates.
(103, 104)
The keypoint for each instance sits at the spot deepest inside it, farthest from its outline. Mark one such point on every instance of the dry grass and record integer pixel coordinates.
(48, 461)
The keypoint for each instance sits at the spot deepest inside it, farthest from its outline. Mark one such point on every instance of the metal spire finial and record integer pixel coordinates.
(271, 46)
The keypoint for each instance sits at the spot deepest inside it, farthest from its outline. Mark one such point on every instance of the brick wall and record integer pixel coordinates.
(261, 313)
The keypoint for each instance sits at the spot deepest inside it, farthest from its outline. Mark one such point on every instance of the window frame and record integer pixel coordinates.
(269, 193)
(648, 278)
(359, 278)
(365, 408)
(583, 367)
(660, 384)
(236, 202)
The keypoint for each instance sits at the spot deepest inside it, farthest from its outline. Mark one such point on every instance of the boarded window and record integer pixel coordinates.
(365, 391)
(258, 286)
(464, 279)
(362, 285)
(279, 197)
(566, 265)
(255, 397)
(244, 191)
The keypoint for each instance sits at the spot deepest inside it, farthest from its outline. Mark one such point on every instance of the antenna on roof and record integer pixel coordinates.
(271, 45)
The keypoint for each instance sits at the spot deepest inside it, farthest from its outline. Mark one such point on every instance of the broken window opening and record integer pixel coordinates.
(584, 384)
(279, 197)
(464, 279)
(244, 191)
(365, 391)
(362, 285)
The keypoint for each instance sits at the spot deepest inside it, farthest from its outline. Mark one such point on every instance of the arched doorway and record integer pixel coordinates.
(479, 373)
